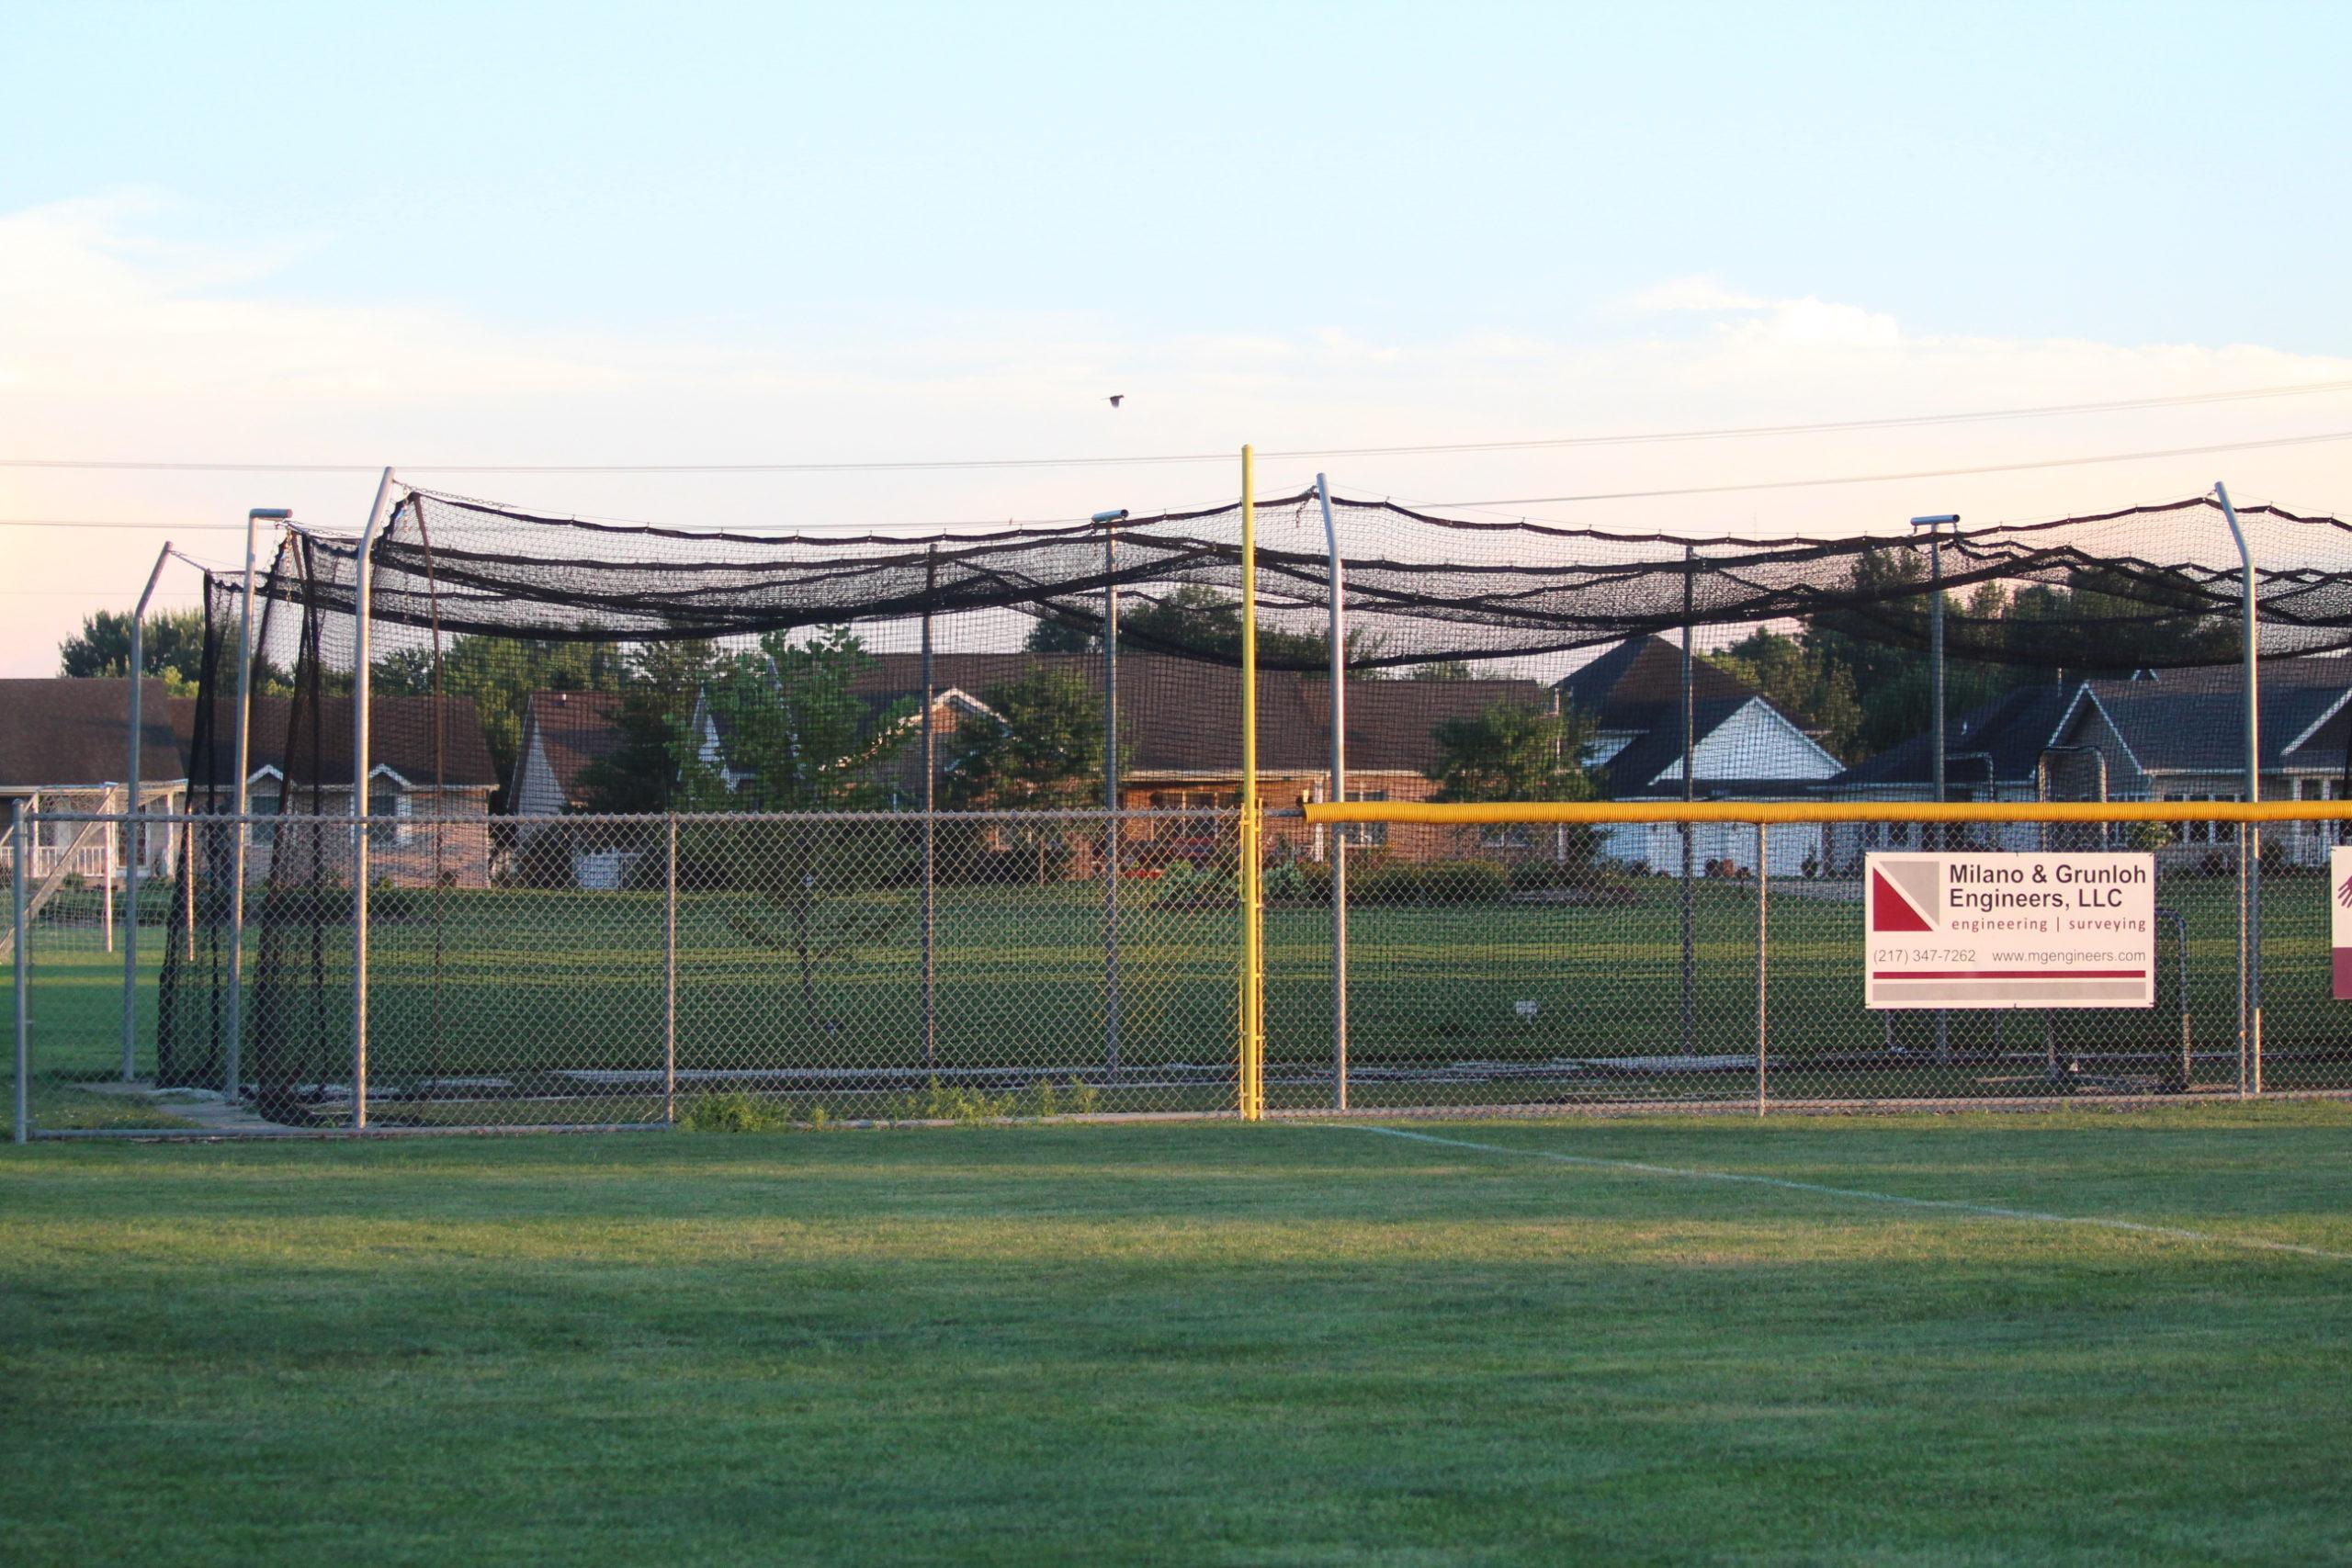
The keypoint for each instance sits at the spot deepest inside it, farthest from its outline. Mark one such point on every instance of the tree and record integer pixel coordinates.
(173, 651)
(1045, 751)
(1195, 618)
(1518, 751)
(1514, 751)
(799, 738)
(1800, 679)
(498, 674)
(660, 686)
(1048, 635)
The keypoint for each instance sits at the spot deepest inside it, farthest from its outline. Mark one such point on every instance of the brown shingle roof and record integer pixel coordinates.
(57, 733)
(1177, 716)
(399, 738)
(574, 730)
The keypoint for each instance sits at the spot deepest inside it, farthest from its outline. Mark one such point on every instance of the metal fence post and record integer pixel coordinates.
(1110, 796)
(930, 827)
(132, 834)
(2249, 834)
(21, 940)
(361, 612)
(2249, 838)
(670, 975)
(1689, 993)
(1763, 932)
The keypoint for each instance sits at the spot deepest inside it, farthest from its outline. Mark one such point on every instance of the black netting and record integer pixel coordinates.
(537, 686)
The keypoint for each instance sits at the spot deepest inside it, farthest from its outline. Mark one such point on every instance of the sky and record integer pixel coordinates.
(426, 235)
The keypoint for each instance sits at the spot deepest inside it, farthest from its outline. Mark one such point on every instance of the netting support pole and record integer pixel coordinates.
(930, 827)
(231, 1061)
(2249, 834)
(1936, 759)
(1253, 977)
(1337, 791)
(670, 971)
(1690, 792)
(1110, 799)
(362, 609)
(132, 836)
(20, 943)
(1763, 932)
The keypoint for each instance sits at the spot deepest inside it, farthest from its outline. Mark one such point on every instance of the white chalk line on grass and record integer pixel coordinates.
(1960, 1205)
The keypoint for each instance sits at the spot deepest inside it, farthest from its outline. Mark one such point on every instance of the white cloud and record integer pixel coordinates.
(1700, 292)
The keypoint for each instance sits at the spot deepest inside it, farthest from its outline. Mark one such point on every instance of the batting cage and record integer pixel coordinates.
(1302, 803)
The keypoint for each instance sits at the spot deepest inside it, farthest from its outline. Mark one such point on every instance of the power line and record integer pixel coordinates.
(1416, 449)
(1913, 474)
(1506, 502)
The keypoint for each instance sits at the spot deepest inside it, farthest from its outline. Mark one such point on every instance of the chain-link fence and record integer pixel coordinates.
(592, 970)
(603, 971)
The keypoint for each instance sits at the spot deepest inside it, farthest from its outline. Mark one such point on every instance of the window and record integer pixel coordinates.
(270, 805)
(1366, 835)
(383, 802)
(1200, 831)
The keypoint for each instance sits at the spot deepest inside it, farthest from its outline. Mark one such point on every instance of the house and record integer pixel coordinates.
(2166, 735)
(1180, 743)
(1743, 746)
(63, 747)
(424, 762)
(564, 735)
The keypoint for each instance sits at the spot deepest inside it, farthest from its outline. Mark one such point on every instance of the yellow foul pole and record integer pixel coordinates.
(1251, 881)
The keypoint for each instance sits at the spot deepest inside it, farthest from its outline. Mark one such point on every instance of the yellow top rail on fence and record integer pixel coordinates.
(1604, 811)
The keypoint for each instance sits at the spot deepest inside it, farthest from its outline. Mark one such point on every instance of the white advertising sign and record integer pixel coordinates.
(2009, 931)
(2339, 920)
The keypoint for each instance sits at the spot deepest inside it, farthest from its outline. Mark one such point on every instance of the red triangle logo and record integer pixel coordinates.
(1891, 911)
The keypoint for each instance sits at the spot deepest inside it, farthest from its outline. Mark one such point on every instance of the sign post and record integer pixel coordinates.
(2010, 930)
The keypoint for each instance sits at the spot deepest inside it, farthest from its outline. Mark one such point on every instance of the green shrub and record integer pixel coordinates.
(1431, 882)
(1299, 881)
(936, 1101)
(731, 1112)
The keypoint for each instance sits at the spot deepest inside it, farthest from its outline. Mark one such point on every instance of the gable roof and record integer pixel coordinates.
(2193, 720)
(401, 739)
(2188, 720)
(62, 733)
(1634, 684)
(2011, 730)
(573, 730)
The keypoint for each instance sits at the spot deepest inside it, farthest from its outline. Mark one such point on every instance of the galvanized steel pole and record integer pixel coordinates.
(2249, 835)
(1337, 790)
(361, 608)
(132, 836)
(231, 1067)
(669, 974)
(1935, 526)
(1111, 792)
(930, 825)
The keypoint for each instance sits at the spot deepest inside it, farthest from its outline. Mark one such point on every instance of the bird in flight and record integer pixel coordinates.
(1118, 398)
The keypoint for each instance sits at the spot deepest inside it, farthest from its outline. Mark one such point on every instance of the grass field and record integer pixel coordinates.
(521, 985)
(1205, 1343)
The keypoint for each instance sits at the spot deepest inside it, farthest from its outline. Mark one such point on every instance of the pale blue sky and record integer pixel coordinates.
(703, 233)
(2126, 173)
